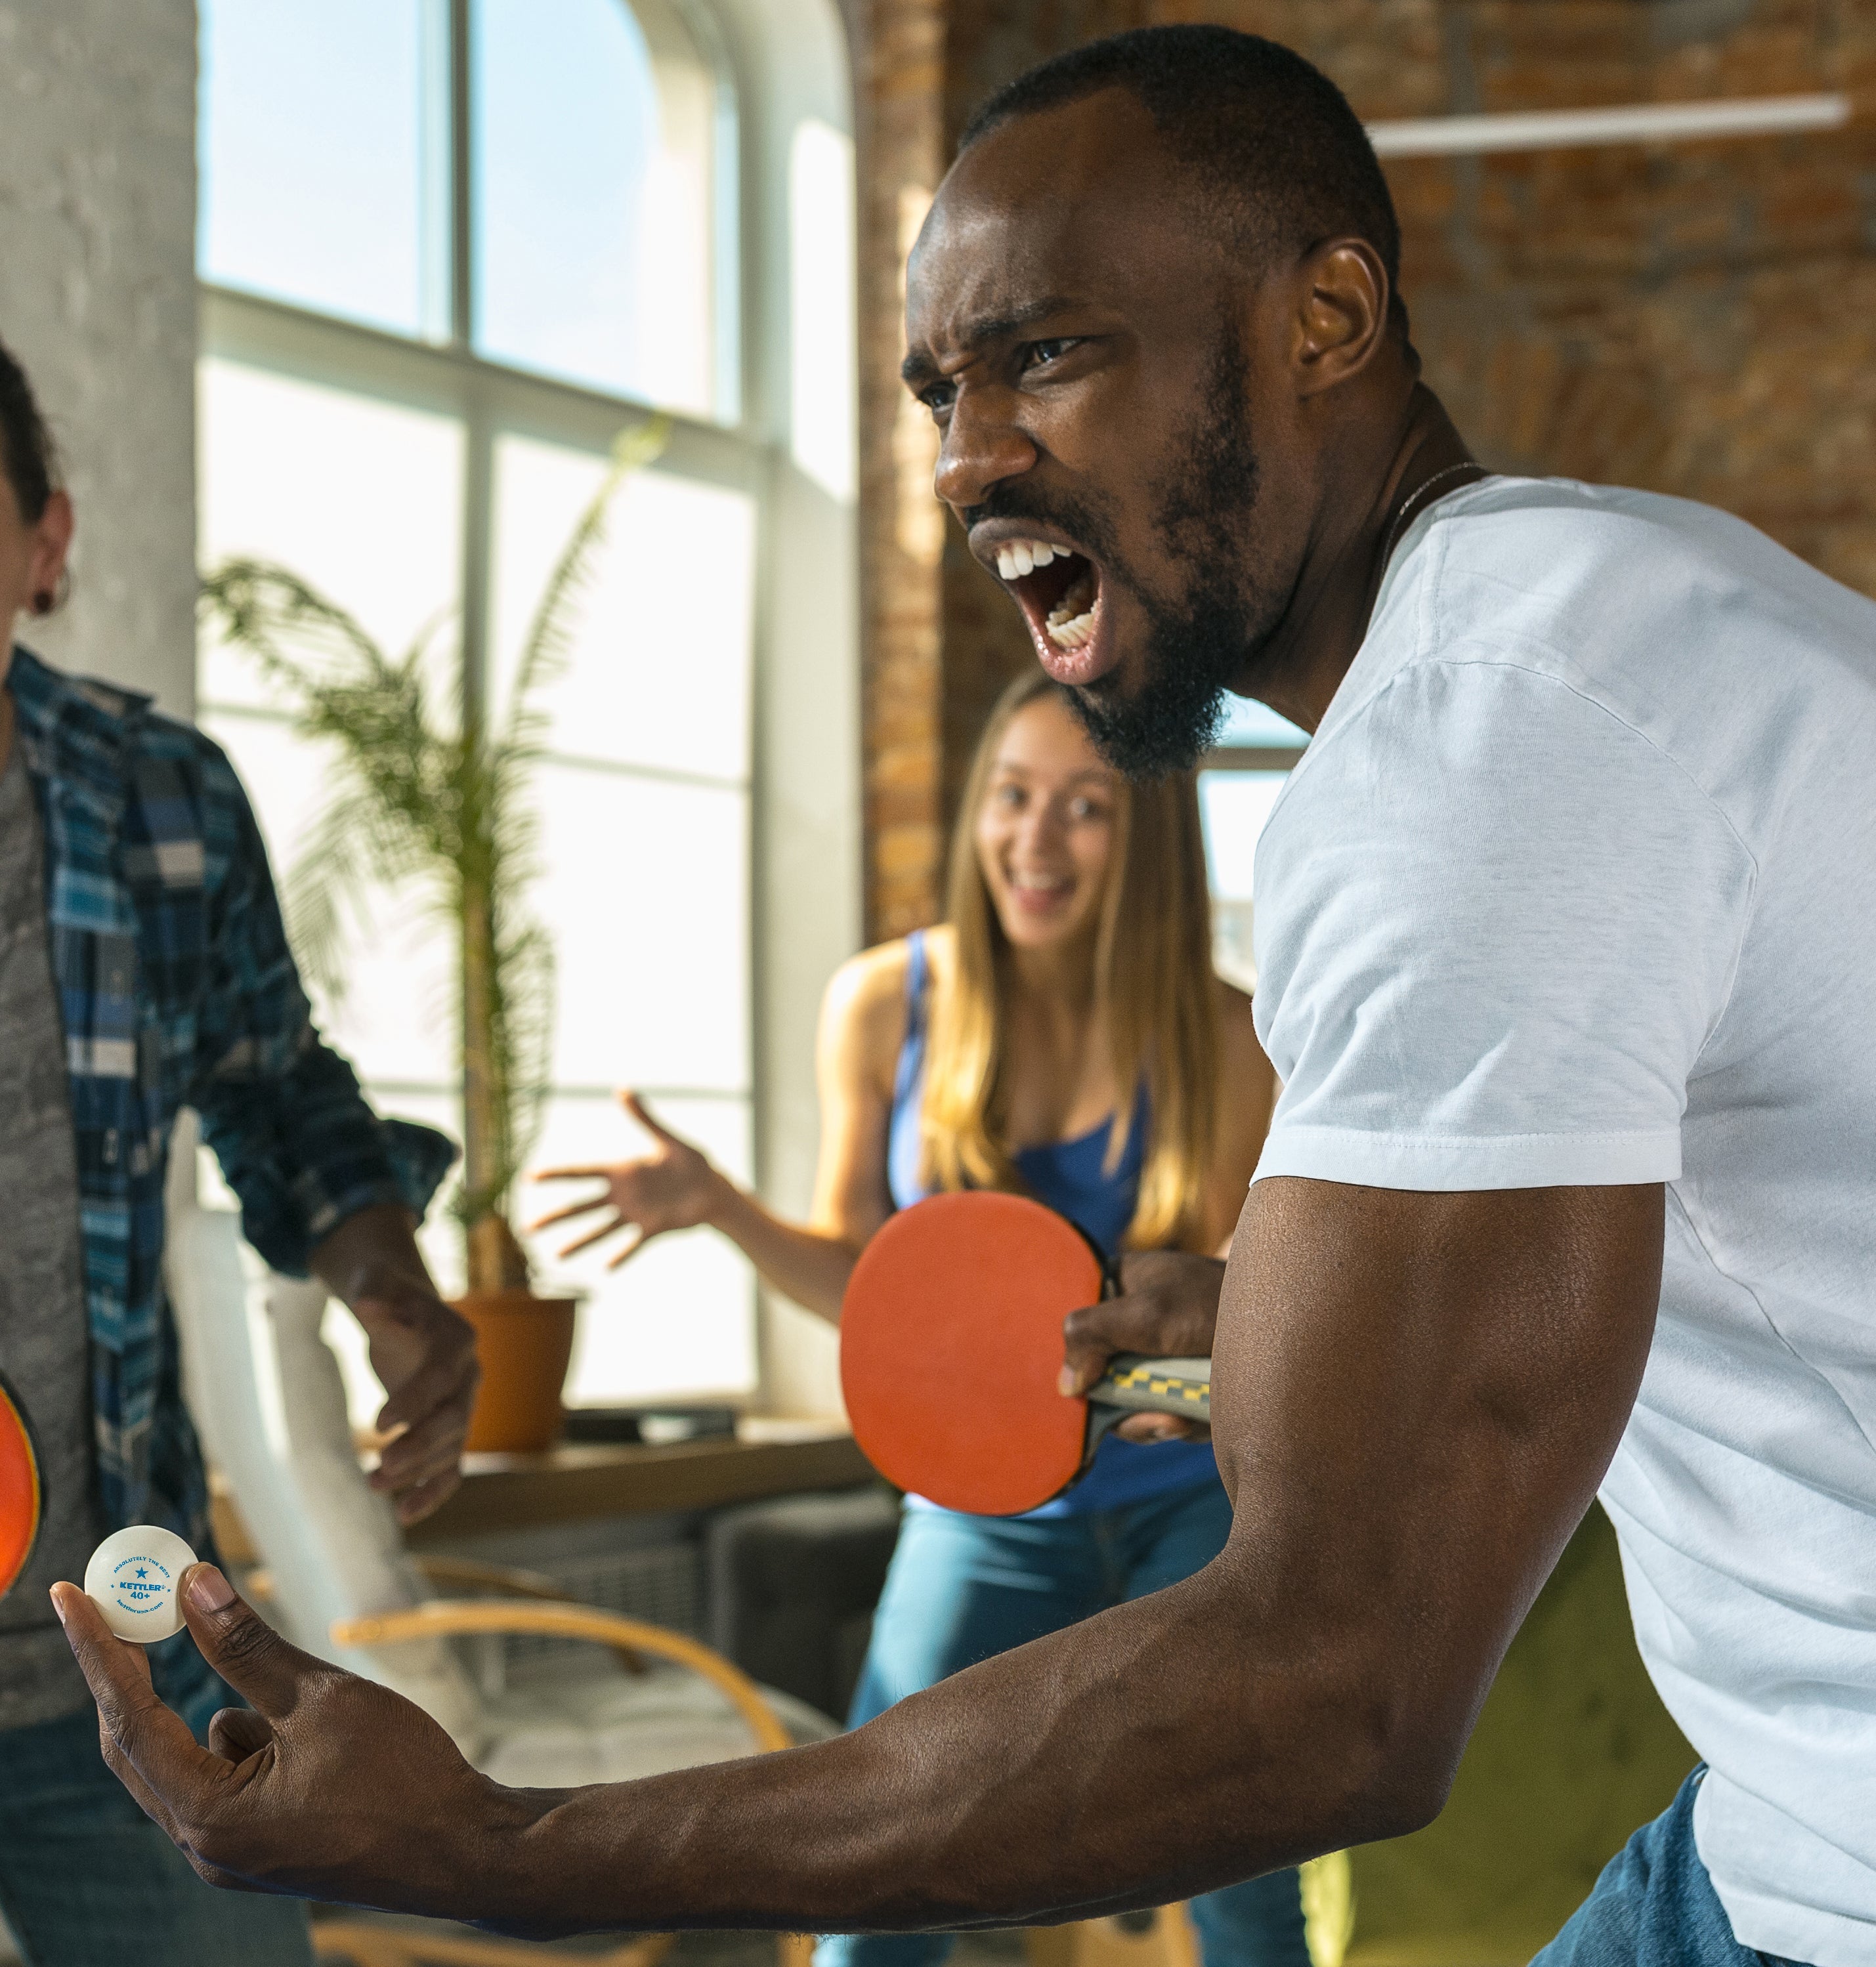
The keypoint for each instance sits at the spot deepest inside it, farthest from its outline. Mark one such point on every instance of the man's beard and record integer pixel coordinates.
(1171, 721)
(1195, 648)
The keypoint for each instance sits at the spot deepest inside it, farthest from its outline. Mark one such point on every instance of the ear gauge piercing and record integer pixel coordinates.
(43, 600)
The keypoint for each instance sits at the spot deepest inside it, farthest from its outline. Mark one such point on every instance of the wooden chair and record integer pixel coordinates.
(268, 1399)
(368, 1944)
(353, 1942)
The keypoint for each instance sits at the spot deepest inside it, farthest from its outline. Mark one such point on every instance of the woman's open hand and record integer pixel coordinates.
(673, 1187)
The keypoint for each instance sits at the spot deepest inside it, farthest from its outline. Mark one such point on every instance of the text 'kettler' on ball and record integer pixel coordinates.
(132, 1579)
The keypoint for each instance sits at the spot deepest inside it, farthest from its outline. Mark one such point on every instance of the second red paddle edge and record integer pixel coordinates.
(20, 1498)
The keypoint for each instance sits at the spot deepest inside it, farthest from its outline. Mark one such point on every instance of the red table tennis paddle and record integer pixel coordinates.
(951, 1350)
(21, 1498)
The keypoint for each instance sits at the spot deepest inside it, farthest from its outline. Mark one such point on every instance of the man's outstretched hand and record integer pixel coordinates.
(1167, 1308)
(332, 1787)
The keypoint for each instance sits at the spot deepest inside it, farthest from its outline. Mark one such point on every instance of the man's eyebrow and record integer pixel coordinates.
(919, 366)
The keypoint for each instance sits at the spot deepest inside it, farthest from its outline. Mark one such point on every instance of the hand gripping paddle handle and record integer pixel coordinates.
(1133, 1383)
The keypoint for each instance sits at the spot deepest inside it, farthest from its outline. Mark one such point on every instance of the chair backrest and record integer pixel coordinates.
(270, 1403)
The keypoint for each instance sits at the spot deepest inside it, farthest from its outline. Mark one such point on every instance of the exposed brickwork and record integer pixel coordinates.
(1699, 319)
(899, 56)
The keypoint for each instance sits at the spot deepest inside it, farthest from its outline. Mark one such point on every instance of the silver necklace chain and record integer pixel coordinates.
(1420, 491)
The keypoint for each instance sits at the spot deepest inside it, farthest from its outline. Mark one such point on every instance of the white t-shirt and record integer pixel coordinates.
(1576, 884)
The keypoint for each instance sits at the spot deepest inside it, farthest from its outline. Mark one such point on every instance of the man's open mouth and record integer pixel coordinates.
(1058, 589)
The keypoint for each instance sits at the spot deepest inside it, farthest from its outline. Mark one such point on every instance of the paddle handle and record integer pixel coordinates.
(1133, 1383)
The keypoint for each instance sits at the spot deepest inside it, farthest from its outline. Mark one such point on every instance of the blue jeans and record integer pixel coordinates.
(86, 1877)
(1654, 1905)
(962, 1589)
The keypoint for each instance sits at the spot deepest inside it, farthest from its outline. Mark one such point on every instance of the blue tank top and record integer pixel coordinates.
(1072, 1178)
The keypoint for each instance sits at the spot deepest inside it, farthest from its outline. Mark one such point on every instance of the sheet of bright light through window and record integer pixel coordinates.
(326, 188)
(1233, 804)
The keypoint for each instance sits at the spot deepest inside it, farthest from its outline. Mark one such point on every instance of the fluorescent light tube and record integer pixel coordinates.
(1633, 123)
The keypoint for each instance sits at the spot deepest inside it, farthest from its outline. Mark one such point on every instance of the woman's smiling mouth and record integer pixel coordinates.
(1040, 894)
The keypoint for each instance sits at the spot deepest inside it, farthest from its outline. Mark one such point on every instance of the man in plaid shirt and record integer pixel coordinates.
(144, 967)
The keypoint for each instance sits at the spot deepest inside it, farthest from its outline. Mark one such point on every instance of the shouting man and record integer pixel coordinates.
(1566, 958)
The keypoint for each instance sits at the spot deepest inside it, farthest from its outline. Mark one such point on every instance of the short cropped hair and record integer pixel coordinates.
(1255, 123)
(27, 454)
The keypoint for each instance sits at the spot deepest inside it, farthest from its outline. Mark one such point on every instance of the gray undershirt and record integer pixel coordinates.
(44, 1344)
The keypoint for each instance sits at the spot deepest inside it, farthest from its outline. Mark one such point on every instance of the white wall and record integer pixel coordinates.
(98, 302)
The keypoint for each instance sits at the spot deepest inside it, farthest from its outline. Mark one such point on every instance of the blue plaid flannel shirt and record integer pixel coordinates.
(176, 988)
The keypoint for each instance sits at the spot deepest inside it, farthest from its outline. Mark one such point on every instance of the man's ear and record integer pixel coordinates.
(52, 542)
(1341, 295)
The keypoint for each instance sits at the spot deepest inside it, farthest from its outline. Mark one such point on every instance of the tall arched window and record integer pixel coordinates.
(450, 249)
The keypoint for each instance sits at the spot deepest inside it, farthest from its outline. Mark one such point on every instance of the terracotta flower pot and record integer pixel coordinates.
(524, 1343)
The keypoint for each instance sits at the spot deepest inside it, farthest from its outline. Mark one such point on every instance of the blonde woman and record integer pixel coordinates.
(1063, 1034)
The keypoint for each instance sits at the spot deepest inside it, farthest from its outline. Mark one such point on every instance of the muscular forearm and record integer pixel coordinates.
(807, 1265)
(1403, 1481)
(994, 1797)
(1417, 1395)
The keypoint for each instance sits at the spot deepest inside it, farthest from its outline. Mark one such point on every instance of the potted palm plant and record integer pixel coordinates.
(431, 796)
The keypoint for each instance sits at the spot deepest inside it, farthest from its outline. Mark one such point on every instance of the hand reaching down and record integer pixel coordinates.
(423, 1354)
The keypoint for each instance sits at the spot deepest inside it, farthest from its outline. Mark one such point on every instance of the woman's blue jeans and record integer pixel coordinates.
(962, 1589)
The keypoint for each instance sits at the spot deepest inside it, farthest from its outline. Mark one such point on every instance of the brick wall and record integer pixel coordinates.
(1695, 318)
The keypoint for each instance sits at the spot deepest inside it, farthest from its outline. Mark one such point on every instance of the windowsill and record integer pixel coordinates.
(771, 1456)
(763, 1428)
(509, 1492)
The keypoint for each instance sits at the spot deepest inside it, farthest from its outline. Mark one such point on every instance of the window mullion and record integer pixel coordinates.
(461, 177)
(436, 218)
(478, 435)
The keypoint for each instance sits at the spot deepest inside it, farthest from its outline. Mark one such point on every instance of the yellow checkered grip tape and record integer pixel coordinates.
(1145, 1380)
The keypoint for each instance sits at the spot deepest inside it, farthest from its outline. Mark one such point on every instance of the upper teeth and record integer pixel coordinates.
(1016, 557)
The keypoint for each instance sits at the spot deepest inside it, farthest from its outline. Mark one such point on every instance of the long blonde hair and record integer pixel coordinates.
(1153, 990)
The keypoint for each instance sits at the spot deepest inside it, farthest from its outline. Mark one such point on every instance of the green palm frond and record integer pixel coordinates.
(328, 882)
(549, 640)
(262, 607)
(422, 800)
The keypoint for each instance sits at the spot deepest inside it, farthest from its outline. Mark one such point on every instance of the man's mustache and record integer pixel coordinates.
(1073, 516)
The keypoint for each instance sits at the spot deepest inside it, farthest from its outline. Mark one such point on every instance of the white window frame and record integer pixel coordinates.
(782, 63)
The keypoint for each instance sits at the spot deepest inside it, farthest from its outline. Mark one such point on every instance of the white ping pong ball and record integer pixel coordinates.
(132, 1579)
